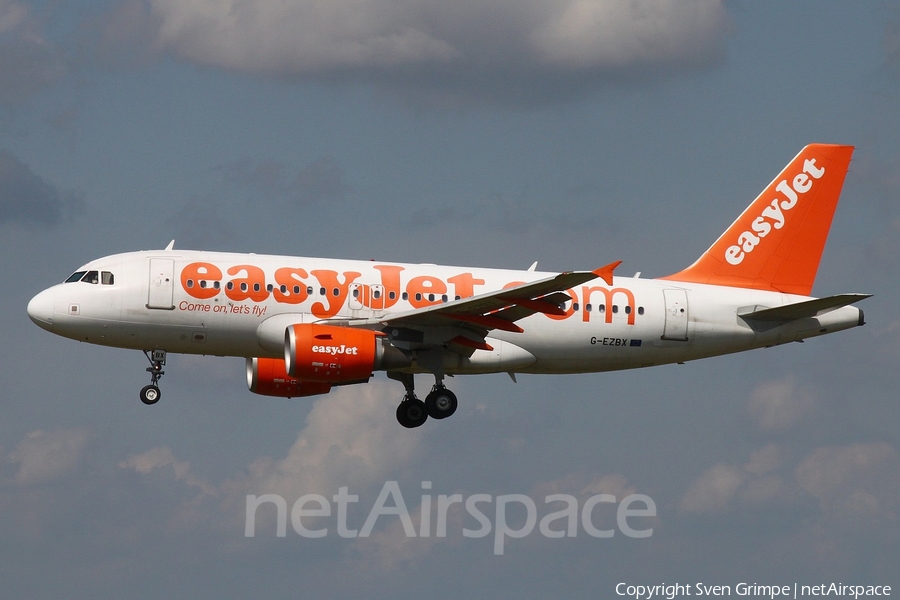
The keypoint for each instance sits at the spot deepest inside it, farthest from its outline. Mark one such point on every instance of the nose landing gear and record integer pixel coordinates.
(150, 394)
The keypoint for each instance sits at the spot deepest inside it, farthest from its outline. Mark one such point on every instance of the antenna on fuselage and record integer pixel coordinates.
(171, 245)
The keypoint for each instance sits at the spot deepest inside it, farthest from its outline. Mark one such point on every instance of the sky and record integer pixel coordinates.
(490, 133)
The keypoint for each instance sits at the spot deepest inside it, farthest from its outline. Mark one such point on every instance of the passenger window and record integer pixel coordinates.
(588, 307)
(76, 276)
(628, 309)
(92, 277)
(106, 278)
(640, 310)
(615, 308)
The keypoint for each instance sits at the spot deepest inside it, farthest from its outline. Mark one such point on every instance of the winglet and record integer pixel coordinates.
(606, 273)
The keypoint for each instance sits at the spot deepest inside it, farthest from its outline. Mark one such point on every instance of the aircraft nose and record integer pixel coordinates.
(40, 310)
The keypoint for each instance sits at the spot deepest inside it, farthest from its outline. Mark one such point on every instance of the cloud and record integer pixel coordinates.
(319, 182)
(12, 14)
(467, 49)
(853, 484)
(891, 43)
(859, 480)
(758, 482)
(28, 63)
(26, 198)
(713, 490)
(777, 405)
(43, 456)
(351, 439)
(161, 457)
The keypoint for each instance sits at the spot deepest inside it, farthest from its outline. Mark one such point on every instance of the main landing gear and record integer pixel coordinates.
(150, 394)
(440, 403)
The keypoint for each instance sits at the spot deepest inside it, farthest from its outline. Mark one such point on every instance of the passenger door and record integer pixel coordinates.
(162, 286)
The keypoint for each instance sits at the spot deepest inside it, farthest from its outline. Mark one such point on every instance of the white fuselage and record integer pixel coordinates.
(240, 304)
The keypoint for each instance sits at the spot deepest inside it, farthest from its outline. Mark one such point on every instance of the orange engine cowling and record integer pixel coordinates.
(268, 377)
(331, 353)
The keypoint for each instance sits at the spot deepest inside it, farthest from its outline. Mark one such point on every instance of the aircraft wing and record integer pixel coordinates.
(466, 322)
(802, 310)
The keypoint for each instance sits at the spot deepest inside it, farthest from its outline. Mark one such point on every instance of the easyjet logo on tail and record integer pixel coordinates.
(774, 215)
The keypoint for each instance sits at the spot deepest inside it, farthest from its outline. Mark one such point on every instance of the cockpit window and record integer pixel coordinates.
(104, 277)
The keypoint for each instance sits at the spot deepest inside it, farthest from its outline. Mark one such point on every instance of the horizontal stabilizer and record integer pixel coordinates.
(802, 310)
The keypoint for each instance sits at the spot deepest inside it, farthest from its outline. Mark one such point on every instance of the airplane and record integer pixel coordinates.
(306, 325)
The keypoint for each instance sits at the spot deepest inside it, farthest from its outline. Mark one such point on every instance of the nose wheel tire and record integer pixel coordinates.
(412, 413)
(150, 394)
(440, 403)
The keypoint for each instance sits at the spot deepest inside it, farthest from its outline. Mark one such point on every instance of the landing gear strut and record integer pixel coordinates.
(412, 412)
(150, 394)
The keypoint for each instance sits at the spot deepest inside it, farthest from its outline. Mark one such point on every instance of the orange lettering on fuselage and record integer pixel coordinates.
(252, 287)
(390, 281)
(194, 273)
(425, 290)
(464, 285)
(609, 296)
(202, 280)
(294, 283)
(335, 291)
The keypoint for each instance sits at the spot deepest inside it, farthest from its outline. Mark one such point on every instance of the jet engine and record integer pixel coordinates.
(268, 377)
(337, 355)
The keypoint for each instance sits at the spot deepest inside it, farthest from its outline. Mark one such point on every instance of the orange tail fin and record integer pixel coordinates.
(777, 242)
